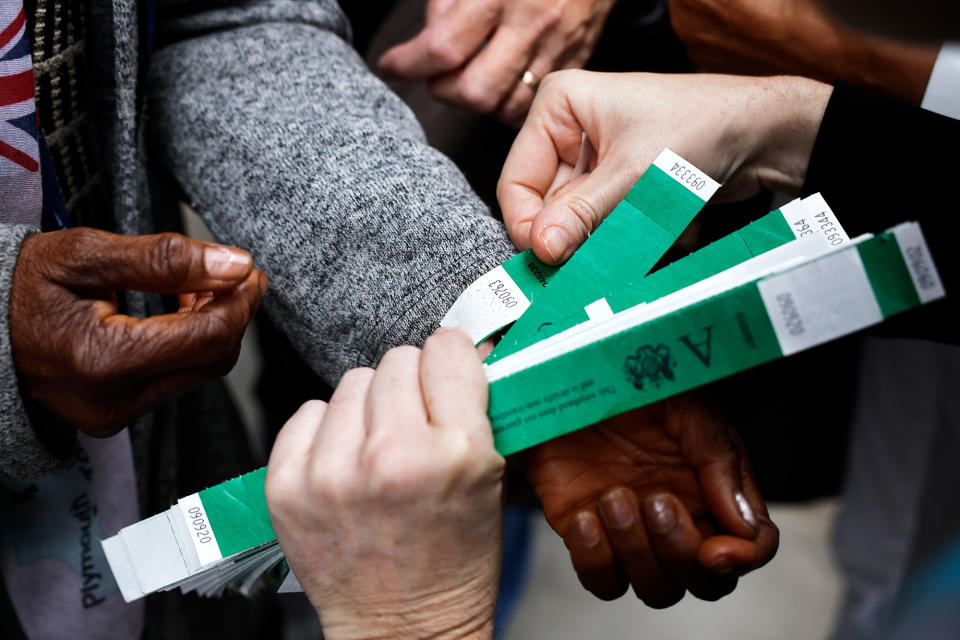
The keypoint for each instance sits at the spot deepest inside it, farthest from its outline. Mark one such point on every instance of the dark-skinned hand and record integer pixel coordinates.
(660, 498)
(98, 369)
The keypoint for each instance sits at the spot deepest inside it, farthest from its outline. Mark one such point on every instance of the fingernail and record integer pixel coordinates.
(264, 283)
(557, 242)
(662, 518)
(746, 511)
(585, 529)
(224, 263)
(721, 565)
(618, 510)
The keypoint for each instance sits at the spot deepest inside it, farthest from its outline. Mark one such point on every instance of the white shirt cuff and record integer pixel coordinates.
(943, 89)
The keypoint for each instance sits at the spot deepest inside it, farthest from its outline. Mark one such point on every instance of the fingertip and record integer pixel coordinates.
(311, 410)
(553, 244)
(584, 531)
(746, 511)
(618, 508)
(226, 264)
(263, 282)
(450, 337)
(725, 555)
(660, 514)
(385, 65)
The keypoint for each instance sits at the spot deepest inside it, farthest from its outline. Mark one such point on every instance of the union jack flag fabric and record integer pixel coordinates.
(21, 197)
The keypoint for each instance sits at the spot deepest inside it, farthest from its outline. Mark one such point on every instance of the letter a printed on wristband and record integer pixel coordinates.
(657, 350)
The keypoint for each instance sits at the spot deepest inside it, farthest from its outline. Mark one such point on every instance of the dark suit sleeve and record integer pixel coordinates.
(880, 162)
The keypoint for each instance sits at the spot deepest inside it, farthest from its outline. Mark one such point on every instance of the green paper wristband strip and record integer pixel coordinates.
(238, 515)
(741, 328)
(622, 250)
(791, 222)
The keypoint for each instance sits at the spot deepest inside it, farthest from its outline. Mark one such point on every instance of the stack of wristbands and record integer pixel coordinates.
(594, 338)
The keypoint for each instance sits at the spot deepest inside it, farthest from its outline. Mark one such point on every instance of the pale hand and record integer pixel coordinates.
(473, 53)
(388, 502)
(748, 133)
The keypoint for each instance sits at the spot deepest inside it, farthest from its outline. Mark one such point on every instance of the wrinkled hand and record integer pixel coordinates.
(388, 502)
(661, 498)
(98, 369)
(474, 52)
(797, 37)
(749, 133)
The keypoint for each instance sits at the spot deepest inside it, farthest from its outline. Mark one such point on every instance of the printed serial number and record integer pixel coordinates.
(505, 295)
(790, 315)
(199, 524)
(688, 177)
(825, 225)
(921, 268)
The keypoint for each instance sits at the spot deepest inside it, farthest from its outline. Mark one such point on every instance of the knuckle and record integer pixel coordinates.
(401, 354)
(328, 488)
(381, 450)
(351, 387)
(443, 51)
(477, 94)
(394, 473)
(585, 212)
(550, 17)
(282, 489)
(356, 377)
(83, 363)
(169, 255)
(313, 406)
(78, 238)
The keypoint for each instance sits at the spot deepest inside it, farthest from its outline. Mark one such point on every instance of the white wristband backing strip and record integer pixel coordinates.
(493, 301)
(198, 526)
(694, 180)
(916, 254)
(820, 301)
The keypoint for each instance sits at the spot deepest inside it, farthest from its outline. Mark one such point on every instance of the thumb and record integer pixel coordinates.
(162, 263)
(710, 447)
(568, 219)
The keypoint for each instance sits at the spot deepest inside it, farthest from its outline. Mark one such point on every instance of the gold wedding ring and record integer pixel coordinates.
(529, 79)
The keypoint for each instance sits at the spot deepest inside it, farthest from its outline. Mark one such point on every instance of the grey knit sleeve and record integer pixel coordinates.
(23, 454)
(288, 146)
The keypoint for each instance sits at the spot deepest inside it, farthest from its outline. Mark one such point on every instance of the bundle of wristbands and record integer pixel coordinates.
(591, 339)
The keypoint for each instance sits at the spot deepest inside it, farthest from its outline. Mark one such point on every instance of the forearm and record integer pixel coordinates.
(897, 69)
(287, 145)
(798, 38)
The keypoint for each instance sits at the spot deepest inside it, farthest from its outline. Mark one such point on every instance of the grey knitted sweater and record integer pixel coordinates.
(281, 138)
